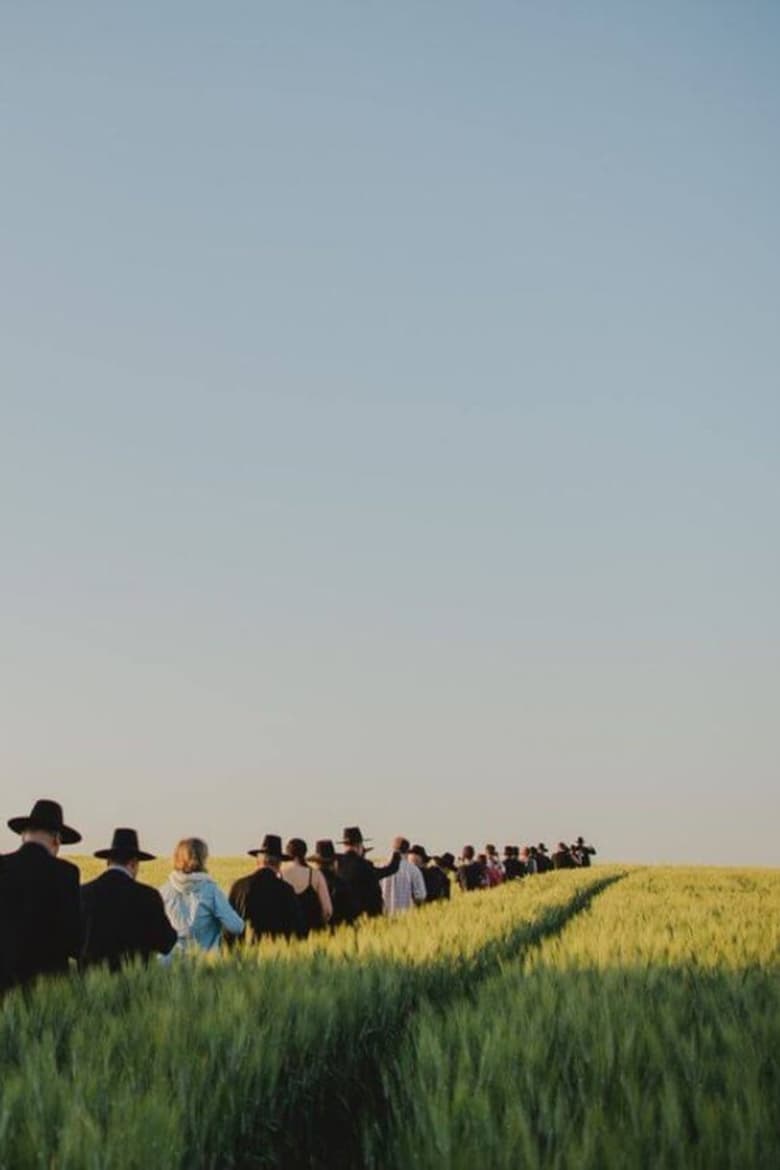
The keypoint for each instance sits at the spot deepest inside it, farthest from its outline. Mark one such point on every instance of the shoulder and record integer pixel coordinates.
(69, 873)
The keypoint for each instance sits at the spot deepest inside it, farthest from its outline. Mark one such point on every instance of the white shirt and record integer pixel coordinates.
(403, 889)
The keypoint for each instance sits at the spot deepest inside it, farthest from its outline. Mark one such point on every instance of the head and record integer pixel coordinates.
(191, 855)
(491, 850)
(400, 845)
(49, 839)
(128, 861)
(296, 849)
(468, 853)
(418, 855)
(269, 861)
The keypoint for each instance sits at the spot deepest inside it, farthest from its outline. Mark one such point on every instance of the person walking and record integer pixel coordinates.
(582, 853)
(494, 874)
(562, 858)
(406, 887)
(325, 859)
(543, 863)
(513, 866)
(123, 919)
(267, 904)
(470, 873)
(437, 884)
(361, 877)
(196, 907)
(309, 886)
(40, 922)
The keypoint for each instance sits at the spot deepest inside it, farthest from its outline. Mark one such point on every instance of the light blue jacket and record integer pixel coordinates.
(198, 910)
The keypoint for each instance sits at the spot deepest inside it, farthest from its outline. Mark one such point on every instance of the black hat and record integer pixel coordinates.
(448, 860)
(124, 845)
(323, 851)
(47, 815)
(272, 846)
(541, 847)
(420, 851)
(353, 836)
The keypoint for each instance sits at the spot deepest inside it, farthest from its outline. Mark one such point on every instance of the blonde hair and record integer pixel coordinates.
(190, 855)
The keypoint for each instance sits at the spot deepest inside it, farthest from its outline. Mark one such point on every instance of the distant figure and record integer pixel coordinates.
(470, 872)
(513, 867)
(123, 919)
(406, 887)
(528, 859)
(360, 876)
(494, 874)
(583, 853)
(324, 858)
(543, 863)
(562, 858)
(447, 862)
(309, 885)
(267, 904)
(40, 924)
(196, 907)
(437, 884)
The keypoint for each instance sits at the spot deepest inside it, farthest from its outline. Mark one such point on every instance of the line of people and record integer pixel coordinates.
(48, 919)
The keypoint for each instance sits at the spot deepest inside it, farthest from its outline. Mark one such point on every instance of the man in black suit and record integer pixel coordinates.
(40, 927)
(122, 918)
(265, 901)
(361, 876)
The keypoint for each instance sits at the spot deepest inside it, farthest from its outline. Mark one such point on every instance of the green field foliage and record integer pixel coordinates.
(645, 1034)
(600, 1018)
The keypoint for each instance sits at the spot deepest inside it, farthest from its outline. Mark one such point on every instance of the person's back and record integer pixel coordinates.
(562, 858)
(267, 904)
(406, 887)
(343, 906)
(123, 919)
(196, 907)
(40, 926)
(360, 876)
(470, 872)
(309, 886)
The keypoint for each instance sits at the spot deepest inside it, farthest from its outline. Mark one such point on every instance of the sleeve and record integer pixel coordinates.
(321, 886)
(163, 935)
(232, 922)
(72, 915)
(419, 893)
(382, 871)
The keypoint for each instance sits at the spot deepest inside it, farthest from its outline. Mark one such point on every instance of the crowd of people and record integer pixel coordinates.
(48, 919)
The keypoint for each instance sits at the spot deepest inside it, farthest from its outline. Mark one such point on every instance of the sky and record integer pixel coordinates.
(389, 422)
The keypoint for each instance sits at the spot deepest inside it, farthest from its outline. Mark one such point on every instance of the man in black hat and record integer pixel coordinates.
(437, 884)
(562, 858)
(325, 858)
(40, 927)
(264, 900)
(123, 918)
(361, 876)
(582, 853)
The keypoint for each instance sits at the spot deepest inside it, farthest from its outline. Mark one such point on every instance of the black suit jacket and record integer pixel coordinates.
(268, 905)
(362, 880)
(39, 914)
(122, 919)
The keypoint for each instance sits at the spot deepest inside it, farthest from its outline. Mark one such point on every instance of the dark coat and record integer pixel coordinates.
(268, 905)
(563, 860)
(122, 919)
(344, 909)
(40, 928)
(513, 868)
(471, 876)
(437, 884)
(362, 880)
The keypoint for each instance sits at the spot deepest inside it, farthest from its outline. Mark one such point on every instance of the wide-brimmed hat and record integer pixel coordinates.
(447, 860)
(124, 844)
(420, 851)
(272, 846)
(47, 815)
(353, 836)
(324, 850)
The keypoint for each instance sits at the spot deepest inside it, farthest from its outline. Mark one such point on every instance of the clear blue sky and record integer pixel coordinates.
(390, 421)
